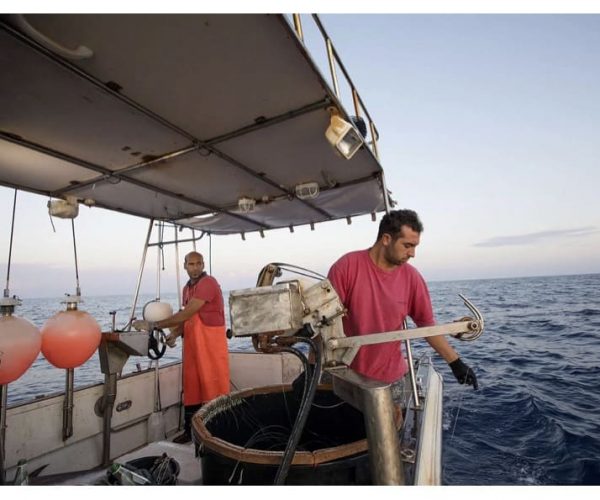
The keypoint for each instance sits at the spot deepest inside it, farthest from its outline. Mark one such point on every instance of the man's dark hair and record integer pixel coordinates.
(392, 223)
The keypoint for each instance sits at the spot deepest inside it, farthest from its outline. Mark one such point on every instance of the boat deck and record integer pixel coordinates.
(190, 471)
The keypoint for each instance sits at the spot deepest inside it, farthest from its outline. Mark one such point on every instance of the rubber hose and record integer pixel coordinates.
(303, 412)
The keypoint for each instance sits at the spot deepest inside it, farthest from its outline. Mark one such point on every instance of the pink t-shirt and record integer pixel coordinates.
(379, 301)
(207, 289)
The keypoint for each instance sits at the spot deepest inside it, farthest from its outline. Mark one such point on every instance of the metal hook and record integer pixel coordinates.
(476, 326)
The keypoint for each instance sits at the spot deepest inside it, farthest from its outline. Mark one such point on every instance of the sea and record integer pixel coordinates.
(535, 419)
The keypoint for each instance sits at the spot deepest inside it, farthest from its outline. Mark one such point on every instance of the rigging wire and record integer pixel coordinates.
(78, 289)
(460, 398)
(296, 269)
(210, 253)
(12, 229)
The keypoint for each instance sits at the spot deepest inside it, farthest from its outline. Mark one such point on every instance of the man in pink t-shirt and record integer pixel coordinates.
(380, 289)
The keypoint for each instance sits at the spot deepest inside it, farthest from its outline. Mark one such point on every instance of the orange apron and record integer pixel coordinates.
(205, 362)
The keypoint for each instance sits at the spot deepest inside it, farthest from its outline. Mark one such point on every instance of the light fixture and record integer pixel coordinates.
(64, 209)
(246, 204)
(307, 190)
(342, 135)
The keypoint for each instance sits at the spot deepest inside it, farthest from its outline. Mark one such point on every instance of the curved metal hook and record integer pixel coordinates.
(476, 325)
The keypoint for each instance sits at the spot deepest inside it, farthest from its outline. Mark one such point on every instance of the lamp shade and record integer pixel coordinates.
(69, 338)
(20, 343)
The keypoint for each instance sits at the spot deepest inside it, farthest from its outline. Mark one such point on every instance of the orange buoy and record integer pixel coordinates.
(20, 343)
(69, 338)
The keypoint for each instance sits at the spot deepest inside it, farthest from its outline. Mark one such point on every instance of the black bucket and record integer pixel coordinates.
(162, 470)
(243, 436)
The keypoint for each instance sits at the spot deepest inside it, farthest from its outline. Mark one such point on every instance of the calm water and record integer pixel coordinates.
(534, 420)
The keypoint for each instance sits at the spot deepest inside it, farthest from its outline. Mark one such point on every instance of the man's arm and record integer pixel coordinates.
(191, 308)
(443, 348)
(177, 320)
(463, 373)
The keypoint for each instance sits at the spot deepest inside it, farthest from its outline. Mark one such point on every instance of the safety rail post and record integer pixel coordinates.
(331, 58)
(298, 27)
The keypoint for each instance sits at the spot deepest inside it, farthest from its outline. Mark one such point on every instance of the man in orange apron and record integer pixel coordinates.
(205, 354)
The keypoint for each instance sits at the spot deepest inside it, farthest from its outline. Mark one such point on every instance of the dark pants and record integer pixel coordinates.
(189, 412)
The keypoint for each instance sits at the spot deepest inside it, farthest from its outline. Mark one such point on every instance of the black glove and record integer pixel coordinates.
(463, 373)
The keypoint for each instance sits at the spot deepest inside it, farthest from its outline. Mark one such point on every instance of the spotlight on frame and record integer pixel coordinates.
(342, 135)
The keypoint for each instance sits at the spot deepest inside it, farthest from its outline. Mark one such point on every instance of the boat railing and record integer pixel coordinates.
(335, 62)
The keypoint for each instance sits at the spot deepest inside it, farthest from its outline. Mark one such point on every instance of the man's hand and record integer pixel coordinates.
(140, 324)
(463, 373)
(171, 339)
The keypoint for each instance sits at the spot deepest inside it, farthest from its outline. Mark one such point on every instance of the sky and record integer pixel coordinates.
(488, 129)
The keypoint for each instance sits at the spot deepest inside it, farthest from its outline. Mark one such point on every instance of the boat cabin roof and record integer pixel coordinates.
(177, 118)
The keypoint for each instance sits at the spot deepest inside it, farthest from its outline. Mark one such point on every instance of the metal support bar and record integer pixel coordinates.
(68, 404)
(414, 333)
(374, 399)
(412, 375)
(331, 59)
(355, 100)
(110, 395)
(3, 400)
(298, 27)
(141, 271)
(352, 343)
(177, 264)
(177, 241)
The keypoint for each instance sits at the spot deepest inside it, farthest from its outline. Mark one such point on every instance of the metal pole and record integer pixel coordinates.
(177, 264)
(384, 450)
(3, 400)
(158, 252)
(68, 404)
(298, 27)
(374, 399)
(411, 371)
(356, 103)
(332, 67)
(139, 280)
(110, 394)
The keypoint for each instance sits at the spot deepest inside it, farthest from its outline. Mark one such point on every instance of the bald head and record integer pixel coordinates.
(194, 265)
(195, 254)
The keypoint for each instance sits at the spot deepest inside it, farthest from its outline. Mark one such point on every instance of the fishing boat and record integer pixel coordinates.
(218, 125)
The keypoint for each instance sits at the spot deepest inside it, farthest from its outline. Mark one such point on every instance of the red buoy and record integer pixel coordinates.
(20, 343)
(69, 338)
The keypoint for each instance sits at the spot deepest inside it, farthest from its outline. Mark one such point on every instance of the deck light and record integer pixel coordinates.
(246, 204)
(307, 191)
(342, 135)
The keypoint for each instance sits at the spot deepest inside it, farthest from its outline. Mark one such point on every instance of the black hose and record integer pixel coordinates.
(305, 365)
(303, 411)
